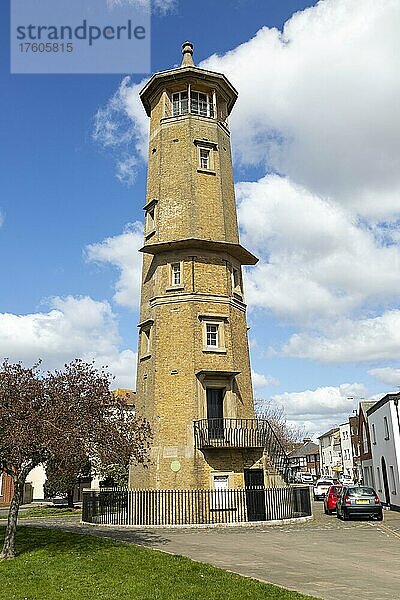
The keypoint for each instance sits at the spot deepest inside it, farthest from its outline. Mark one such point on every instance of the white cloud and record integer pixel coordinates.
(375, 338)
(261, 381)
(72, 328)
(320, 409)
(316, 259)
(121, 127)
(319, 102)
(122, 251)
(388, 375)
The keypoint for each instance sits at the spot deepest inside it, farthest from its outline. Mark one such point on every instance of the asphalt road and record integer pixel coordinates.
(325, 557)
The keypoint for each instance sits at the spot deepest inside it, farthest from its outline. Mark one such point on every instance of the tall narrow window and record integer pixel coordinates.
(236, 281)
(373, 434)
(176, 278)
(150, 217)
(145, 341)
(204, 158)
(212, 335)
(386, 428)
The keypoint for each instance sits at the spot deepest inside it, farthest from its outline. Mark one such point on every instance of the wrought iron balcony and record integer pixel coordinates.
(242, 433)
(230, 433)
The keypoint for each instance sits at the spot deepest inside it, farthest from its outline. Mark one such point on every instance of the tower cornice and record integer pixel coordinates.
(236, 250)
(160, 80)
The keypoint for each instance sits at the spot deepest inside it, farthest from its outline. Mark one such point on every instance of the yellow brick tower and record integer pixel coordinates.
(193, 376)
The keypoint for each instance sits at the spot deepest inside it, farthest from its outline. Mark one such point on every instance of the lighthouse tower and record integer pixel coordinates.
(193, 375)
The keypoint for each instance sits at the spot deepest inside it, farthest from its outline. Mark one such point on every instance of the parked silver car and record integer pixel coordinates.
(358, 501)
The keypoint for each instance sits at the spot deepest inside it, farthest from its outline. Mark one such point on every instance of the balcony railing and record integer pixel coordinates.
(242, 433)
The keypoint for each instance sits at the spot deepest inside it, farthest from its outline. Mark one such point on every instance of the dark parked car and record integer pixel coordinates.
(331, 499)
(358, 501)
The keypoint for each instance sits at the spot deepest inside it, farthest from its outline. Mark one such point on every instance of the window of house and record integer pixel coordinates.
(212, 335)
(386, 428)
(180, 104)
(176, 278)
(392, 480)
(373, 434)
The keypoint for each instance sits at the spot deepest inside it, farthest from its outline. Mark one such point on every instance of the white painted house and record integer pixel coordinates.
(346, 450)
(330, 453)
(384, 428)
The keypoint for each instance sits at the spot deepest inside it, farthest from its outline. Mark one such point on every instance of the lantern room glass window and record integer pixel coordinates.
(197, 103)
(180, 103)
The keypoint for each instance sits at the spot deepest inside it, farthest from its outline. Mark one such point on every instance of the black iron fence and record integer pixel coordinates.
(194, 507)
(243, 433)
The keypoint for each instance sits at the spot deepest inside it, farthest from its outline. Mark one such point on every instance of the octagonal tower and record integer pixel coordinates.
(193, 376)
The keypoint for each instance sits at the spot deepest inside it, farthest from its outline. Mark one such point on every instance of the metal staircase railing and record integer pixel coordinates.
(243, 433)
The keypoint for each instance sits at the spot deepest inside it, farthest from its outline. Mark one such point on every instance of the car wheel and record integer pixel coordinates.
(330, 511)
(346, 516)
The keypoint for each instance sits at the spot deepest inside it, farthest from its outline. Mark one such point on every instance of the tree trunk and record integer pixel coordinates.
(70, 497)
(9, 540)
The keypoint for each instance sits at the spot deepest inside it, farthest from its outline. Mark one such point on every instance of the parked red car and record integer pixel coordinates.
(331, 498)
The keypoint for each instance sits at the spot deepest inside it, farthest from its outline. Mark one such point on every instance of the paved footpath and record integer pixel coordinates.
(327, 558)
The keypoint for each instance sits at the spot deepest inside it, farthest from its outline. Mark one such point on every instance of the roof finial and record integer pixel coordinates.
(187, 51)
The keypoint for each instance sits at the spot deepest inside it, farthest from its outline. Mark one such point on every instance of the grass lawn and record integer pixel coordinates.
(56, 565)
(46, 511)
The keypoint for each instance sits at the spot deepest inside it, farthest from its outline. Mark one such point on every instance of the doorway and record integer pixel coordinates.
(215, 412)
(255, 495)
(385, 481)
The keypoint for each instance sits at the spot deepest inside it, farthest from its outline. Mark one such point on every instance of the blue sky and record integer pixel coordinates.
(315, 141)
